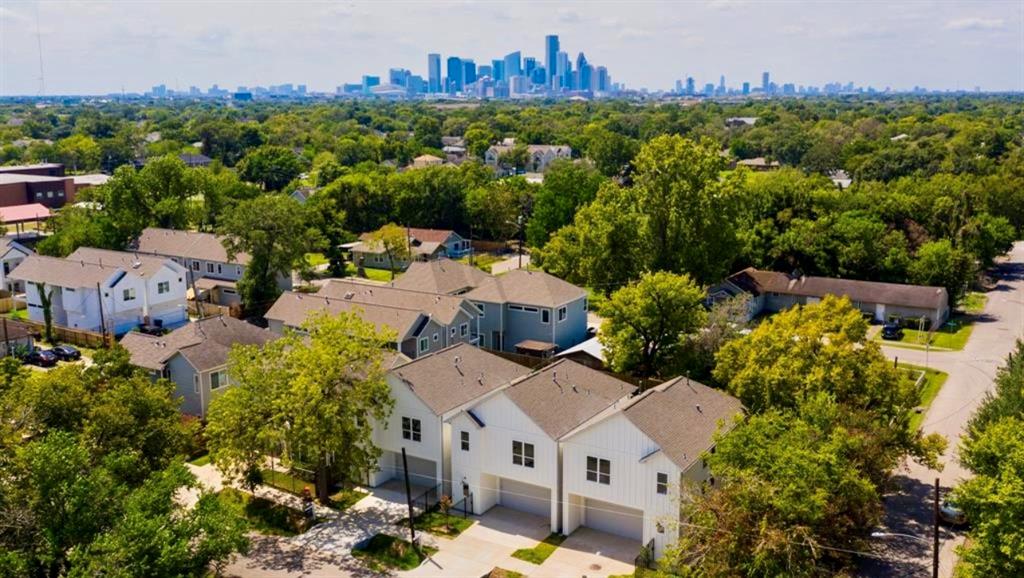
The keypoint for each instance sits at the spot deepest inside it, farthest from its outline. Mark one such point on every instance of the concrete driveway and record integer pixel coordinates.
(590, 553)
(971, 373)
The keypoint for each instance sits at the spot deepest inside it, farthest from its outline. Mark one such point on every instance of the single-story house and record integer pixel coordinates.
(424, 245)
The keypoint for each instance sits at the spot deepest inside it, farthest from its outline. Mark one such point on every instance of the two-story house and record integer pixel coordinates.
(194, 357)
(104, 291)
(441, 276)
(538, 156)
(424, 245)
(12, 253)
(506, 447)
(625, 472)
(428, 392)
(210, 272)
(530, 312)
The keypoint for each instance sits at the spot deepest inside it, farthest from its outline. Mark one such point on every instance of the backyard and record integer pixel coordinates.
(482, 261)
(265, 516)
(952, 336)
(341, 497)
(929, 388)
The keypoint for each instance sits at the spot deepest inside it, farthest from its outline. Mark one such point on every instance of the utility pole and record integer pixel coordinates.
(408, 498)
(935, 545)
(103, 324)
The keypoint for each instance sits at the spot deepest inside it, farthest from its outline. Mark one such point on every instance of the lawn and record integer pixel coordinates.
(953, 336)
(265, 516)
(286, 482)
(974, 303)
(503, 573)
(382, 275)
(539, 553)
(434, 522)
(345, 498)
(482, 261)
(201, 460)
(933, 382)
(384, 552)
(16, 314)
(315, 259)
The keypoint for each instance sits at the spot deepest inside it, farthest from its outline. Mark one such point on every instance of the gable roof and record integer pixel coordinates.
(528, 288)
(682, 416)
(565, 394)
(442, 276)
(186, 244)
(443, 308)
(920, 296)
(205, 344)
(293, 309)
(61, 272)
(457, 375)
(141, 265)
(7, 244)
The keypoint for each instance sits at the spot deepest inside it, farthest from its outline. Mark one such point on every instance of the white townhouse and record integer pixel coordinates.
(506, 447)
(625, 472)
(428, 392)
(12, 253)
(100, 290)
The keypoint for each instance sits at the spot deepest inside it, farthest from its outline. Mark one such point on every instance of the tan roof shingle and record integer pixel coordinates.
(442, 276)
(205, 344)
(443, 308)
(187, 245)
(527, 288)
(293, 309)
(920, 296)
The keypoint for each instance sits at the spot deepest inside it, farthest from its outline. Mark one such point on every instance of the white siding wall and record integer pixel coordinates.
(388, 436)
(633, 484)
(491, 453)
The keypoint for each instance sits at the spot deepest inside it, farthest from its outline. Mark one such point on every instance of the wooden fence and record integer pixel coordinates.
(213, 310)
(79, 337)
(8, 304)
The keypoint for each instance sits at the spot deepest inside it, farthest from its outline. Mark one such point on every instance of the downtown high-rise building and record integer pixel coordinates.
(551, 49)
(766, 82)
(434, 73)
(454, 78)
(513, 64)
(468, 71)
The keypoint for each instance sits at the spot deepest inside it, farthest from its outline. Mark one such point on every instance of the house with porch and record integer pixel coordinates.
(626, 471)
(428, 392)
(104, 291)
(424, 245)
(506, 447)
(194, 357)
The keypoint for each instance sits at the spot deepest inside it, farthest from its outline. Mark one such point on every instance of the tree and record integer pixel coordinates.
(517, 157)
(646, 324)
(940, 264)
(315, 393)
(80, 152)
(612, 152)
(330, 222)
(394, 241)
(276, 234)
(272, 167)
(496, 208)
(46, 301)
(567, 187)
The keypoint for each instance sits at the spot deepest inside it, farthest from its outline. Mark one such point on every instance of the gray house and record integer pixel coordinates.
(772, 291)
(210, 272)
(424, 245)
(194, 357)
(530, 312)
(441, 276)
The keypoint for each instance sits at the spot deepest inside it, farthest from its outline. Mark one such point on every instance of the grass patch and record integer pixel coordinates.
(345, 498)
(482, 261)
(974, 303)
(541, 552)
(382, 275)
(264, 516)
(384, 552)
(315, 259)
(434, 522)
(503, 573)
(201, 460)
(286, 482)
(953, 335)
(17, 314)
(933, 382)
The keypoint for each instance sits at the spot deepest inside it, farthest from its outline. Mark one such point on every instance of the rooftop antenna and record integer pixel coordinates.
(39, 46)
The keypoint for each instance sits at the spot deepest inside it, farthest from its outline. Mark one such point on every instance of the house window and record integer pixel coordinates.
(411, 429)
(209, 267)
(218, 379)
(480, 307)
(516, 307)
(424, 344)
(238, 271)
(464, 329)
(545, 315)
(662, 483)
(163, 287)
(453, 332)
(195, 383)
(219, 269)
(599, 470)
(522, 454)
(562, 314)
(195, 265)
(464, 438)
(128, 294)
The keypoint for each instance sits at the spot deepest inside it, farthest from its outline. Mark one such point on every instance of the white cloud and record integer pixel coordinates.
(11, 16)
(975, 23)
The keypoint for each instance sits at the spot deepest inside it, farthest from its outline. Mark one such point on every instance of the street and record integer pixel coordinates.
(971, 373)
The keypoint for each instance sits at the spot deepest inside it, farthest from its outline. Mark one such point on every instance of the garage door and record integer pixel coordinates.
(421, 472)
(614, 519)
(526, 497)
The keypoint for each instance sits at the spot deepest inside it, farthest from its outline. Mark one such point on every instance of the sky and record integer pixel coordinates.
(95, 47)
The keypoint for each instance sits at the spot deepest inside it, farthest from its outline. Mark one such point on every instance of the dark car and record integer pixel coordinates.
(892, 331)
(41, 357)
(66, 353)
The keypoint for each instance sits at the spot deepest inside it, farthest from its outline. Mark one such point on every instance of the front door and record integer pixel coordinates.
(496, 340)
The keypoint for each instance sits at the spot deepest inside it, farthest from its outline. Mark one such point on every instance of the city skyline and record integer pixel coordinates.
(95, 48)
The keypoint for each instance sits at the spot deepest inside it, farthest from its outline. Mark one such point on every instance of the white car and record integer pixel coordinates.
(951, 514)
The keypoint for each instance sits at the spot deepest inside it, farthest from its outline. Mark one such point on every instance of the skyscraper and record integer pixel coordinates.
(691, 86)
(529, 65)
(455, 72)
(434, 73)
(583, 73)
(746, 88)
(498, 69)
(513, 64)
(602, 79)
(468, 71)
(551, 57)
(563, 71)
(766, 82)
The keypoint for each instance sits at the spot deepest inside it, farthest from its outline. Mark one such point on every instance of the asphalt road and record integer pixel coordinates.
(971, 373)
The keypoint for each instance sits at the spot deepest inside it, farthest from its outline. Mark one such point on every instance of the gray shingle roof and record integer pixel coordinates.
(205, 344)
(442, 276)
(565, 394)
(920, 296)
(443, 308)
(187, 244)
(135, 263)
(293, 309)
(528, 288)
(457, 375)
(682, 416)
(61, 272)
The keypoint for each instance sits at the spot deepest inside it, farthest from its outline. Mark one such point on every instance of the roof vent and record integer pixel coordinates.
(349, 295)
(480, 378)
(698, 409)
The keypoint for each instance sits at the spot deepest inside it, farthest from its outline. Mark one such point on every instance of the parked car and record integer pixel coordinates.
(892, 331)
(41, 357)
(951, 514)
(67, 353)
